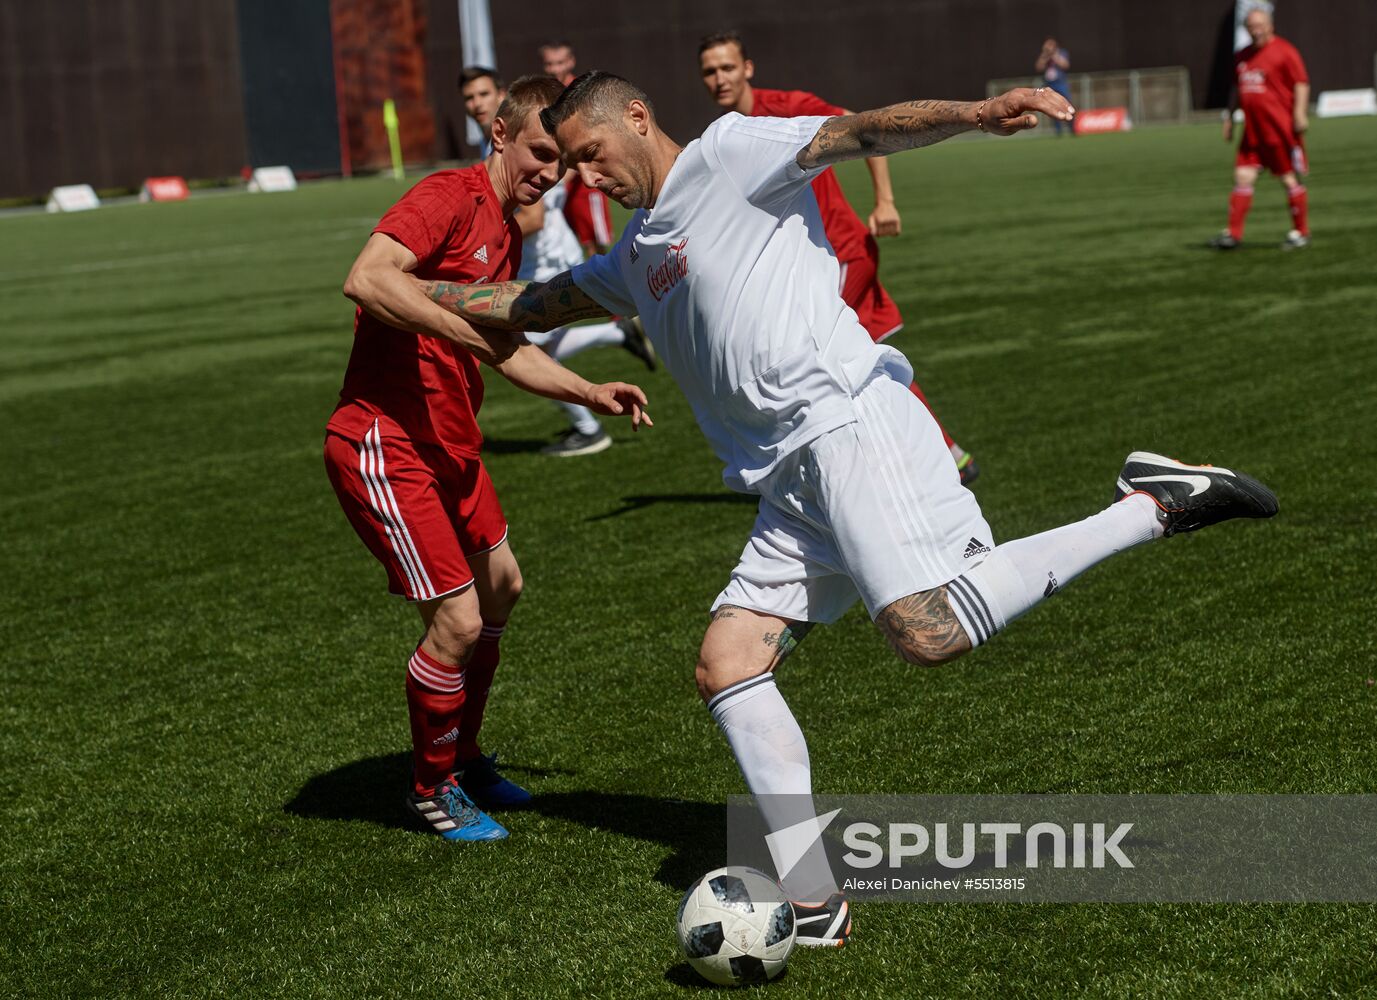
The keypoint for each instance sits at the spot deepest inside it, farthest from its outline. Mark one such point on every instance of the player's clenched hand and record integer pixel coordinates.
(492, 347)
(1015, 110)
(884, 221)
(616, 398)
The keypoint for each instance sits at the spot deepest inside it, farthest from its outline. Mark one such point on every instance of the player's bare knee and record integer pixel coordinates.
(508, 593)
(925, 651)
(453, 633)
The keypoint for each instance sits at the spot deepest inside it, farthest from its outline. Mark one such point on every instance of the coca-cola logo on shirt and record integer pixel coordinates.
(1251, 81)
(662, 278)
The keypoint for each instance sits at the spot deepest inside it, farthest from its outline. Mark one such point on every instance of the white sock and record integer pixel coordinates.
(1019, 574)
(773, 756)
(581, 418)
(580, 338)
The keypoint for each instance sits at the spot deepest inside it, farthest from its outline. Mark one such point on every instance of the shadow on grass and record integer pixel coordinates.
(371, 791)
(630, 504)
(514, 446)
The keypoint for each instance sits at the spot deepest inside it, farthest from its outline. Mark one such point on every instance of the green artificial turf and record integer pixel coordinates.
(203, 747)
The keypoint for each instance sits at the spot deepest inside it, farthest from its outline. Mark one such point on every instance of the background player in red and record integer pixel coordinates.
(586, 210)
(727, 74)
(1273, 89)
(402, 448)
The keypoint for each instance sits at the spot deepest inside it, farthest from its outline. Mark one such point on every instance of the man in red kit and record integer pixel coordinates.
(1273, 89)
(727, 73)
(402, 448)
(586, 209)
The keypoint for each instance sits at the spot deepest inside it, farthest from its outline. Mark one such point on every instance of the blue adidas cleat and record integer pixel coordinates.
(452, 814)
(481, 779)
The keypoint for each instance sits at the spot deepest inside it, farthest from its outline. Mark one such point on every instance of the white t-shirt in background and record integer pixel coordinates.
(553, 248)
(737, 286)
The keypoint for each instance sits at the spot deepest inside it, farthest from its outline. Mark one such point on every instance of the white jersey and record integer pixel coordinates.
(737, 286)
(553, 248)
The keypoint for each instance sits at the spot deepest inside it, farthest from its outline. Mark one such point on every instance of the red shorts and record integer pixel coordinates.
(1276, 157)
(589, 215)
(862, 291)
(421, 511)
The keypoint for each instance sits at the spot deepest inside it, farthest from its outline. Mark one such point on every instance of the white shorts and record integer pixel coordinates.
(873, 510)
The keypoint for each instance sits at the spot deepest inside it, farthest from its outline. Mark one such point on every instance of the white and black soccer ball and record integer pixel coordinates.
(736, 927)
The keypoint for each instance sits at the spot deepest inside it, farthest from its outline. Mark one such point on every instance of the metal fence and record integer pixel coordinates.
(1161, 95)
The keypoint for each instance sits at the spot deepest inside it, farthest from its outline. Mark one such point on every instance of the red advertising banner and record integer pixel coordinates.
(1091, 120)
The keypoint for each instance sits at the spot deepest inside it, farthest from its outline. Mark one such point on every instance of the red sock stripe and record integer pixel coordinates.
(435, 675)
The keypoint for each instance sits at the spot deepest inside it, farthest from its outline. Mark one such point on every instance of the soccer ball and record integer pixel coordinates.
(736, 927)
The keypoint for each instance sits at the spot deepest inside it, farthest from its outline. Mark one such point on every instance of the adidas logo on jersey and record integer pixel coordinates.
(635, 253)
(449, 737)
(481, 254)
(975, 548)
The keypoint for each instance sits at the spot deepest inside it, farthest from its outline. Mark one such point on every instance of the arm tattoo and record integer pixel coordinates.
(922, 628)
(516, 305)
(886, 130)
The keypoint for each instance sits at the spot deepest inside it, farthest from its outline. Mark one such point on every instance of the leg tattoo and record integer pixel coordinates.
(923, 629)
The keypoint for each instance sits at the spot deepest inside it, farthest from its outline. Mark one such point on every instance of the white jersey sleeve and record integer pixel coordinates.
(601, 278)
(760, 155)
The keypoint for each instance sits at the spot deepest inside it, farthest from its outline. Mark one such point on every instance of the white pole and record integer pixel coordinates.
(476, 49)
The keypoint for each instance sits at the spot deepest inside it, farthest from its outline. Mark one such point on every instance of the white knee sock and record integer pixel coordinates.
(773, 756)
(1019, 574)
(580, 338)
(581, 418)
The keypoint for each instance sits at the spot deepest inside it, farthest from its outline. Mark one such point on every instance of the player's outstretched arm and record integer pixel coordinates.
(380, 283)
(922, 123)
(526, 306)
(533, 370)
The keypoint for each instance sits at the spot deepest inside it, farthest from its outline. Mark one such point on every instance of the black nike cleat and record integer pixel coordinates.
(1191, 497)
(823, 925)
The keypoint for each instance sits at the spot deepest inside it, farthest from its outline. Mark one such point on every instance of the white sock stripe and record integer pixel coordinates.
(907, 506)
(602, 229)
(396, 510)
(981, 605)
(445, 683)
(380, 509)
(720, 699)
(977, 628)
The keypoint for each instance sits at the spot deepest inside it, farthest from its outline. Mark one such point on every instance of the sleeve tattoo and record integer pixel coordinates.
(886, 130)
(533, 306)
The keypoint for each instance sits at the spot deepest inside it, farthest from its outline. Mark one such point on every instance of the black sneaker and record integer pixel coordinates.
(1191, 497)
(823, 925)
(1225, 241)
(636, 341)
(574, 442)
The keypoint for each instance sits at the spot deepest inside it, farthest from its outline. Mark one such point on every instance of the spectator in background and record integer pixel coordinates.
(483, 92)
(1053, 62)
(1273, 90)
(586, 210)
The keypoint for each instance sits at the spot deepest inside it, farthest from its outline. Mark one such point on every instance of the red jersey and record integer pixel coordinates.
(845, 230)
(426, 388)
(1267, 79)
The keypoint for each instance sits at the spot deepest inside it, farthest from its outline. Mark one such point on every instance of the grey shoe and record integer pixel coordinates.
(574, 442)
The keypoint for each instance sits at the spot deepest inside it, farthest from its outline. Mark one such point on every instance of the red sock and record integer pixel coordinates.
(477, 680)
(1239, 202)
(1299, 209)
(435, 700)
(913, 388)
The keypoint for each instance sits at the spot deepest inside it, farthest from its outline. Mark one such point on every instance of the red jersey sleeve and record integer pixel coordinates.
(1295, 66)
(801, 103)
(429, 215)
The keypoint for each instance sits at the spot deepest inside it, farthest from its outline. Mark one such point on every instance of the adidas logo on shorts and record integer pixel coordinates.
(481, 254)
(975, 548)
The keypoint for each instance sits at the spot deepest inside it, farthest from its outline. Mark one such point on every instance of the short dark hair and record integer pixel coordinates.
(558, 43)
(470, 73)
(597, 95)
(717, 38)
(532, 93)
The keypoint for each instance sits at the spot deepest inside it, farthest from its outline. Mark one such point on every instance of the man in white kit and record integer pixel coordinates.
(727, 265)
